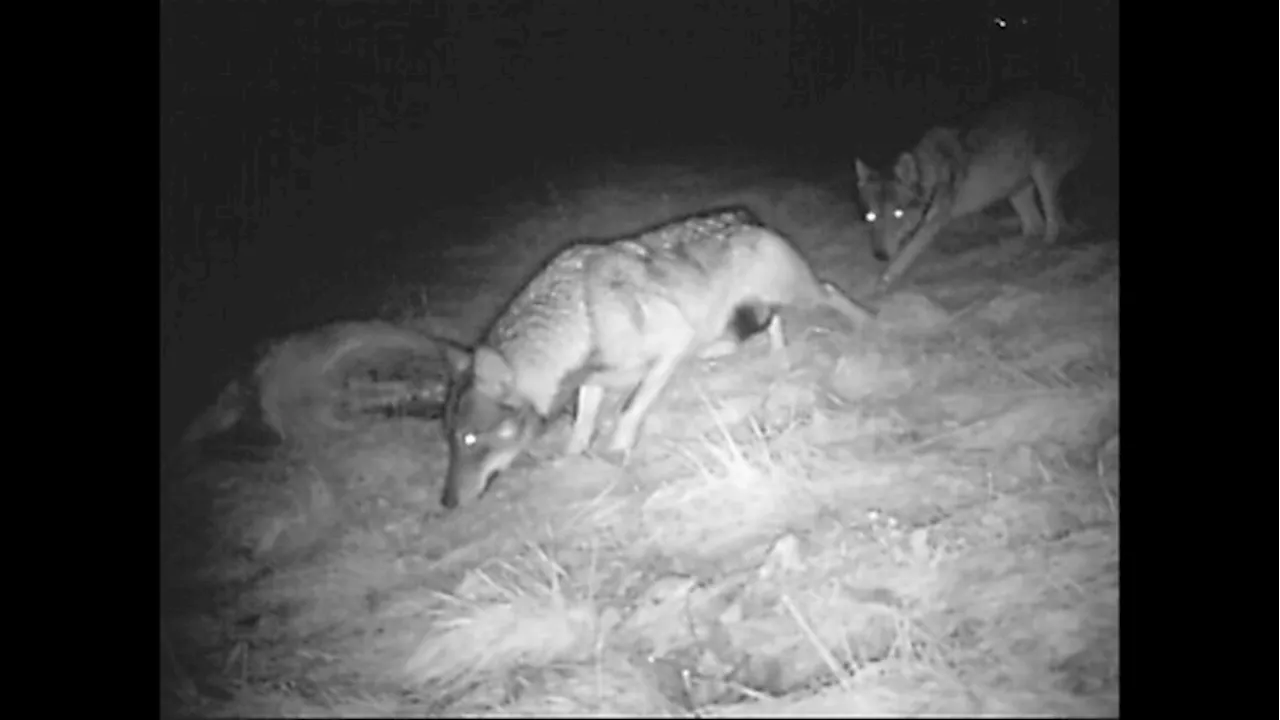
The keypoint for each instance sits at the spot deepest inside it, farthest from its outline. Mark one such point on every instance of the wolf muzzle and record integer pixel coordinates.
(464, 486)
(885, 248)
(469, 478)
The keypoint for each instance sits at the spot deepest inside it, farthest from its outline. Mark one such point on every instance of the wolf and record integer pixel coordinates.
(1016, 148)
(621, 314)
(300, 383)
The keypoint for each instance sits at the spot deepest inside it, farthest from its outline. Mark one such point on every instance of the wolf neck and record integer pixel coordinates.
(546, 375)
(934, 212)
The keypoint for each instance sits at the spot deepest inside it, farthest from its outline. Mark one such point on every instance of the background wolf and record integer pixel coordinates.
(302, 384)
(616, 315)
(1012, 150)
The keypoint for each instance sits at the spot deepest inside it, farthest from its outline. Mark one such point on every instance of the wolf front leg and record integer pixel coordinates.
(923, 238)
(655, 381)
(584, 419)
(859, 315)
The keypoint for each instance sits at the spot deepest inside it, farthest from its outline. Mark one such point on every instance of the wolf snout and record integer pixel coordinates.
(465, 490)
(880, 254)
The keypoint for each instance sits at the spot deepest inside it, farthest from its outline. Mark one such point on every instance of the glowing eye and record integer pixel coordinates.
(897, 214)
(470, 439)
(871, 217)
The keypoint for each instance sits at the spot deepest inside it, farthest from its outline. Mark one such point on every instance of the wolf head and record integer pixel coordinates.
(488, 426)
(895, 206)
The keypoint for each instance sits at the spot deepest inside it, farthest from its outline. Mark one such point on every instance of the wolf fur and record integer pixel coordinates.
(300, 381)
(618, 315)
(1015, 149)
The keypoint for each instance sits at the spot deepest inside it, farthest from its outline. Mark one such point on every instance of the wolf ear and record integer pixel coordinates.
(864, 173)
(906, 170)
(460, 359)
(493, 375)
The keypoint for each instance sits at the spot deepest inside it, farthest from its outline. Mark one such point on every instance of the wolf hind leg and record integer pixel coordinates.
(1024, 203)
(748, 319)
(1048, 181)
(777, 338)
(766, 318)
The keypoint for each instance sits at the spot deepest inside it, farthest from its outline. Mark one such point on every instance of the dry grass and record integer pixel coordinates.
(920, 520)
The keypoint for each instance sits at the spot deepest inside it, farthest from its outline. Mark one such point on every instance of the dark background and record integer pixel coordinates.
(467, 100)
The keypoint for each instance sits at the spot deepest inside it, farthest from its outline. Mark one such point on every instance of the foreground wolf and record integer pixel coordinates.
(617, 315)
(1016, 148)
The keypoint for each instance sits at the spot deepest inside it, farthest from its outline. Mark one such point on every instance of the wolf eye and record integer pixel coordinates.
(897, 213)
(871, 217)
(470, 439)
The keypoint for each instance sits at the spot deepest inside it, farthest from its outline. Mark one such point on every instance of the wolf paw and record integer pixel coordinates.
(1034, 231)
(576, 446)
(719, 349)
(617, 451)
(613, 457)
